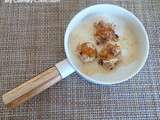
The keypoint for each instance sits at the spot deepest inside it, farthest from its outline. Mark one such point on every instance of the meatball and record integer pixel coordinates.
(109, 51)
(86, 52)
(108, 56)
(113, 49)
(104, 32)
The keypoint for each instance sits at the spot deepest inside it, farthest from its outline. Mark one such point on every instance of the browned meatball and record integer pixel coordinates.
(108, 56)
(87, 52)
(104, 32)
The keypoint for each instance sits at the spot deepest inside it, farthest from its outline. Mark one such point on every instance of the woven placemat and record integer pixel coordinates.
(31, 40)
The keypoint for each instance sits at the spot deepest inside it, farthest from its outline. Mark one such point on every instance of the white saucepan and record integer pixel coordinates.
(125, 20)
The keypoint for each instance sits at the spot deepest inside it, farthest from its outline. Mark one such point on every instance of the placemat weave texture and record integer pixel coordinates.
(31, 40)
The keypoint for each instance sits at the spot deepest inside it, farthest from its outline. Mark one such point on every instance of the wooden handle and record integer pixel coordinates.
(31, 88)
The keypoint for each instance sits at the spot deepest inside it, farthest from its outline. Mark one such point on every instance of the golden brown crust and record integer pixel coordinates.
(108, 56)
(104, 32)
(109, 51)
(87, 52)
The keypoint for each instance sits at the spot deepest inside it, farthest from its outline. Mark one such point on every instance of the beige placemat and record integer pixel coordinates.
(31, 40)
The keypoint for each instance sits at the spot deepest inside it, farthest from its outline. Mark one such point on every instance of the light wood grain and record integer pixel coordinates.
(31, 88)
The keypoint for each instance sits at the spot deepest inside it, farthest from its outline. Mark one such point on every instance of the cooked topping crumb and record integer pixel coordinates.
(104, 32)
(110, 64)
(87, 52)
(108, 56)
(109, 51)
